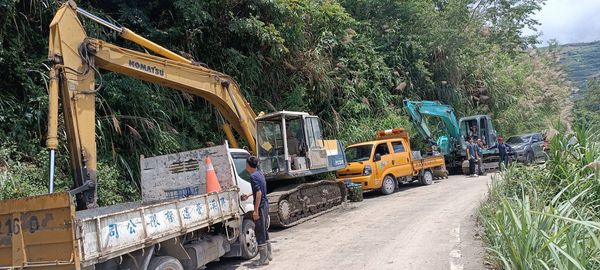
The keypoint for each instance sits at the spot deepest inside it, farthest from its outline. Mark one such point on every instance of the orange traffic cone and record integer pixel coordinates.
(212, 183)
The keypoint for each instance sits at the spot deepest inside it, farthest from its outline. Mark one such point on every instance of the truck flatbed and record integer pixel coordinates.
(44, 227)
(429, 162)
(46, 232)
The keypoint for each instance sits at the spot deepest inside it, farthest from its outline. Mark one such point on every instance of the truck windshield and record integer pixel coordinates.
(515, 139)
(359, 153)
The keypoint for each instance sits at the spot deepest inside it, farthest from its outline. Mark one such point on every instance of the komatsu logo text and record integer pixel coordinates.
(149, 69)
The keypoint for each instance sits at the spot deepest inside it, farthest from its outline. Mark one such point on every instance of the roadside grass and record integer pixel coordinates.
(547, 216)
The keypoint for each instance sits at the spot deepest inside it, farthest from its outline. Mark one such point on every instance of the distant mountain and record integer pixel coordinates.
(581, 61)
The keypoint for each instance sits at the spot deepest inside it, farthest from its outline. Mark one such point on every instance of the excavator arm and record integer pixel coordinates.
(75, 60)
(417, 110)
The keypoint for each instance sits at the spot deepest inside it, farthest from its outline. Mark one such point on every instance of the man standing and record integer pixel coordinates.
(471, 156)
(260, 214)
(479, 147)
(503, 150)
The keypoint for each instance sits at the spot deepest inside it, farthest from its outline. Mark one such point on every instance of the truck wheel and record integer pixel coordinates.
(426, 178)
(389, 185)
(248, 240)
(164, 263)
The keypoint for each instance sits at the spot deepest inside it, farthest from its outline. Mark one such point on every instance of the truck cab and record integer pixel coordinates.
(370, 162)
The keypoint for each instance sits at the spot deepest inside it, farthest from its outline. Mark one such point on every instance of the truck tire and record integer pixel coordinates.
(164, 263)
(248, 240)
(388, 185)
(426, 178)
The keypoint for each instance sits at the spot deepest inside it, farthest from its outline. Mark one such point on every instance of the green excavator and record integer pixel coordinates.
(452, 133)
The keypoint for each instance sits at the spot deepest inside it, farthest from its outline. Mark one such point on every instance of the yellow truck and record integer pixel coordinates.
(387, 161)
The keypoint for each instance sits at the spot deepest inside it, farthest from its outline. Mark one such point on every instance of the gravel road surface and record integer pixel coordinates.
(417, 227)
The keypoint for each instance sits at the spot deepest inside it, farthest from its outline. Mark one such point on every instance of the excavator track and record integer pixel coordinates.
(299, 203)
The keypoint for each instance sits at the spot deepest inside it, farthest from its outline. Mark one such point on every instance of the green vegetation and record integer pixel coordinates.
(351, 62)
(587, 109)
(581, 61)
(546, 217)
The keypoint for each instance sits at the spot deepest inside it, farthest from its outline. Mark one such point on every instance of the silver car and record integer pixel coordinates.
(527, 147)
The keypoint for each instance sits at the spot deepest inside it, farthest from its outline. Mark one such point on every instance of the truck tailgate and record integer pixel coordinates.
(37, 232)
(429, 162)
(45, 232)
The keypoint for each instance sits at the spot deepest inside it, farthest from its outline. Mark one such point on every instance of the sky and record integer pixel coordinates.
(569, 21)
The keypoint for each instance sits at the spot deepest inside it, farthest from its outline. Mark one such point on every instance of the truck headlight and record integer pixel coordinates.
(367, 170)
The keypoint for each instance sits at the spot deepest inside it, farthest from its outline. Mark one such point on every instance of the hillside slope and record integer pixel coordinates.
(581, 61)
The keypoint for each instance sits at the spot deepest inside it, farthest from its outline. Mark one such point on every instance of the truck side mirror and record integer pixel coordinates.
(377, 157)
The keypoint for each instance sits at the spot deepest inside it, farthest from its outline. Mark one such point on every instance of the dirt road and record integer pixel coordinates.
(418, 227)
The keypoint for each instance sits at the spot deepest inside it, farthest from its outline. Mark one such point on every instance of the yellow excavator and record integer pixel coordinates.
(288, 144)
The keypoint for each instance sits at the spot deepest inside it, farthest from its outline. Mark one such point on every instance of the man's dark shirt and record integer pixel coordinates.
(258, 183)
(471, 150)
(503, 149)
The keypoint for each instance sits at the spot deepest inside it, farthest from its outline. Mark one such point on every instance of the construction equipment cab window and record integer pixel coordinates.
(291, 144)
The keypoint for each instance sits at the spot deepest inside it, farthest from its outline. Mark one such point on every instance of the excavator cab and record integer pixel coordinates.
(479, 126)
(291, 144)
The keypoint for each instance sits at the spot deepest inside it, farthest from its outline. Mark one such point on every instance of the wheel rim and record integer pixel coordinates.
(388, 185)
(251, 244)
(428, 177)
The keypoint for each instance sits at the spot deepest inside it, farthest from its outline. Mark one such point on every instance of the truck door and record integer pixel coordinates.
(317, 154)
(385, 163)
(401, 161)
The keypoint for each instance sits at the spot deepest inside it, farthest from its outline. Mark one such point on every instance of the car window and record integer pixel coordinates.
(538, 137)
(398, 147)
(527, 138)
(382, 149)
(515, 140)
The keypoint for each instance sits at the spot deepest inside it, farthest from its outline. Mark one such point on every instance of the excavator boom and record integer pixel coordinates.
(75, 60)
(291, 143)
(418, 110)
